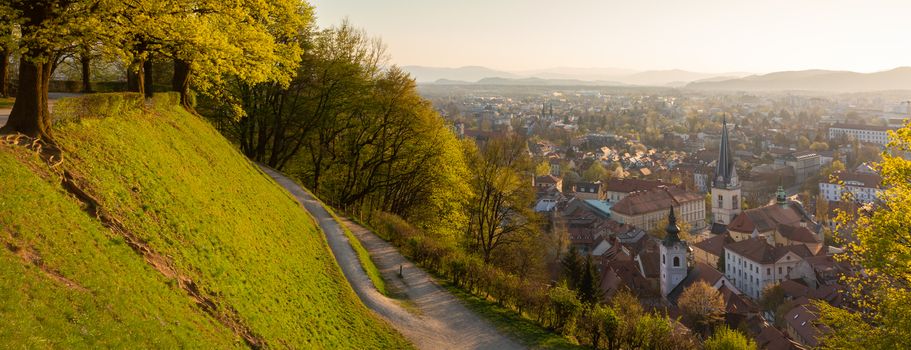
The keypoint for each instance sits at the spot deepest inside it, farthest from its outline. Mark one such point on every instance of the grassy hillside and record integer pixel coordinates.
(204, 249)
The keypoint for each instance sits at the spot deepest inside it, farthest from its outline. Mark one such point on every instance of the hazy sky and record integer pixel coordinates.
(703, 35)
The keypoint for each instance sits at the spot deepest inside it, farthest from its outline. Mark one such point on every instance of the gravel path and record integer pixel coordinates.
(437, 320)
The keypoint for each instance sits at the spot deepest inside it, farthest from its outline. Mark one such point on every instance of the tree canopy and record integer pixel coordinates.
(881, 249)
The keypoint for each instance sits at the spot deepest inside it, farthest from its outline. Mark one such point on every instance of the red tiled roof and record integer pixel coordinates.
(632, 185)
(871, 180)
(798, 234)
(860, 127)
(715, 245)
(760, 251)
(735, 303)
(659, 198)
(765, 218)
(801, 319)
(546, 179)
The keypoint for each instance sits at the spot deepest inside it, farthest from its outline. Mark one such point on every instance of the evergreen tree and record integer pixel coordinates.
(589, 282)
(572, 268)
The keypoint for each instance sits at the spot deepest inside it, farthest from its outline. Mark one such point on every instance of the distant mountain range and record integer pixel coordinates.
(561, 76)
(806, 80)
(814, 80)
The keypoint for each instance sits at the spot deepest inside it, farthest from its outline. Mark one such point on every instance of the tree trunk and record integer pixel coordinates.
(30, 114)
(181, 81)
(4, 71)
(86, 72)
(148, 90)
(134, 79)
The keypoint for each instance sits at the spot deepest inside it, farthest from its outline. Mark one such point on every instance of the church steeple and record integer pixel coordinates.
(672, 229)
(674, 256)
(726, 186)
(725, 172)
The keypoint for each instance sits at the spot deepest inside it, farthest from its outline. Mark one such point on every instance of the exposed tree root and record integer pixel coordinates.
(30, 256)
(163, 264)
(52, 155)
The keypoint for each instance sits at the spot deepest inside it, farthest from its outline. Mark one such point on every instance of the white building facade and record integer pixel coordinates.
(862, 133)
(751, 275)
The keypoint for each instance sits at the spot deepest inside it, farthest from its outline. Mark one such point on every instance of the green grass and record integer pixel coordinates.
(176, 184)
(7, 102)
(511, 323)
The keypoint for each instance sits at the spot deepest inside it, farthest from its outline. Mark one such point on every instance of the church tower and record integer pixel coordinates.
(673, 256)
(726, 186)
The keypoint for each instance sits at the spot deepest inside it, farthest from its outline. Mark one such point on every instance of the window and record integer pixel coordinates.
(676, 261)
(779, 270)
(663, 260)
(735, 203)
(720, 201)
(768, 270)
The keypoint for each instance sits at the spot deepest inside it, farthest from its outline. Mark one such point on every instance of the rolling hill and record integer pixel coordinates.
(154, 232)
(815, 80)
(562, 76)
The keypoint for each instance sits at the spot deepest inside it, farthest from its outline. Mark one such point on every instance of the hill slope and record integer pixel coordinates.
(816, 80)
(194, 248)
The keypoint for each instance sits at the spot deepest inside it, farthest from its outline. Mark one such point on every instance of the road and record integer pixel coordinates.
(435, 318)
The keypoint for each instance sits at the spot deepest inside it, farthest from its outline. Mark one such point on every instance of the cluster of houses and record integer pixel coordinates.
(741, 252)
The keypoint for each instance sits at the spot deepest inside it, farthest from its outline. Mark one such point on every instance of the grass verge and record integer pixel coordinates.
(7, 102)
(511, 323)
(362, 255)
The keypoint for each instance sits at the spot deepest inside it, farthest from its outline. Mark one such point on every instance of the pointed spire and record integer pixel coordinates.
(724, 168)
(672, 229)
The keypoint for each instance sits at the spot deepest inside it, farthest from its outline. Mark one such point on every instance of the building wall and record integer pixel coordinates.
(704, 257)
(725, 204)
(833, 192)
(805, 167)
(871, 136)
(672, 274)
(614, 196)
(781, 240)
(692, 213)
(752, 277)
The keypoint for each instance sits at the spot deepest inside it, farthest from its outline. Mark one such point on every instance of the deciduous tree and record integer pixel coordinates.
(725, 338)
(702, 305)
(881, 249)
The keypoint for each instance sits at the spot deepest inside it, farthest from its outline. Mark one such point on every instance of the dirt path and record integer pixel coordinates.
(437, 319)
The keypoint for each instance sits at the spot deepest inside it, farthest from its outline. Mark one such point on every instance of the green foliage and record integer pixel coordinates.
(882, 248)
(729, 339)
(772, 297)
(604, 326)
(595, 172)
(510, 322)
(72, 110)
(566, 307)
(355, 132)
(571, 265)
(498, 208)
(177, 185)
(543, 168)
(590, 283)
